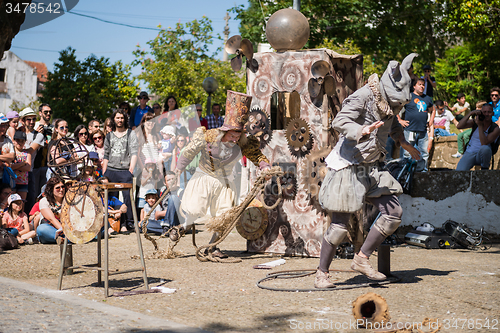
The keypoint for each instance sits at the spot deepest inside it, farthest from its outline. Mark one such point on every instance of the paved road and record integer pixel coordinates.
(29, 308)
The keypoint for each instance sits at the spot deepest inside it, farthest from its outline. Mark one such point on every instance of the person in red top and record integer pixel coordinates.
(194, 123)
(16, 218)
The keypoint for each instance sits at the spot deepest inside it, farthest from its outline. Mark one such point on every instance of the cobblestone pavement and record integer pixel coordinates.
(29, 308)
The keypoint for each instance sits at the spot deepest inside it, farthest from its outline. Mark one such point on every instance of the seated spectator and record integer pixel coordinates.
(483, 142)
(21, 164)
(442, 120)
(154, 225)
(169, 206)
(464, 136)
(16, 218)
(50, 229)
(35, 215)
(461, 108)
(117, 210)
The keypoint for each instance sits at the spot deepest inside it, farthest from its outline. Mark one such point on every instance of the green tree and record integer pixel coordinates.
(19, 106)
(385, 29)
(474, 20)
(178, 61)
(466, 69)
(79, 91)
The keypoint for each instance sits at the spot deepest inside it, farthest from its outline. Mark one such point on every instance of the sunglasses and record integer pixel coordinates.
(59, 188)
(47, 112)
(84, 133)
(156, 107)
(199, 110)
(98, 138)
(143, 97)
(494, 95)
(64, 128)
(181, 140)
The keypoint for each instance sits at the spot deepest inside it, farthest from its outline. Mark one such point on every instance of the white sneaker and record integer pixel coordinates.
(457, 155)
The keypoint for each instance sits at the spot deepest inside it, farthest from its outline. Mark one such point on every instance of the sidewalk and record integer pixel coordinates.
(29, 308)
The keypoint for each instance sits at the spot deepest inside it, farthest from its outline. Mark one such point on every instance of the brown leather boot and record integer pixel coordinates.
(322, 280)
(363, 266)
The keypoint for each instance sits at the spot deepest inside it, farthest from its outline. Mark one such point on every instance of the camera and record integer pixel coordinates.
(47, 130)
(481, 116)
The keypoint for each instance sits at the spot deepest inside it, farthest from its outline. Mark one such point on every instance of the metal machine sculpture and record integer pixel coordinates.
(296, 95)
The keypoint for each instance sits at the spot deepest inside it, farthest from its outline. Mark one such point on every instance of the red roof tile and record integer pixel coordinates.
(41, 70)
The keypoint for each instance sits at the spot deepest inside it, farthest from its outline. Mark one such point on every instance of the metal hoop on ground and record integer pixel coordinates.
(293, 274)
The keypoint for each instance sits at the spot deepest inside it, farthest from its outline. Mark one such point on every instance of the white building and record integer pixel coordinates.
(18, 81)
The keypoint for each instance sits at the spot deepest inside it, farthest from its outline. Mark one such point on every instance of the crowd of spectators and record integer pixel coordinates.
(140, 142)
(424, 118)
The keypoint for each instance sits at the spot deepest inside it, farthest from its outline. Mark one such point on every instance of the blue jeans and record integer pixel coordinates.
(13, 231)
(122, 176)
(46, 233)
(420, 140)
(172, 214)
(482, 158)
(442, 132)
(389, 146)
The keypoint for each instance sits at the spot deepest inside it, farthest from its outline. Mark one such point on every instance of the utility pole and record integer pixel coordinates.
(296, 5)
(226, 35)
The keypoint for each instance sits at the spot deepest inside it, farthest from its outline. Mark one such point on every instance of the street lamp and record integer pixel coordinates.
(210, 85)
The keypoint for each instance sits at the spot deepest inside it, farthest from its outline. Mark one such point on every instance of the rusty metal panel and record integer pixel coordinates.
(296, 226)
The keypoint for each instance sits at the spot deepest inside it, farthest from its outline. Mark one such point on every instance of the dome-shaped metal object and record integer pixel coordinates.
(65, 157)
(287, 29)
(210, 85)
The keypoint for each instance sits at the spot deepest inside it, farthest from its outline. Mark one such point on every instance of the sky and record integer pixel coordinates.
(86, 35)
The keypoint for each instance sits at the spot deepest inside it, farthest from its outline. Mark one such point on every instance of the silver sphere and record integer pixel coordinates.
(287, 29)
(210, 85)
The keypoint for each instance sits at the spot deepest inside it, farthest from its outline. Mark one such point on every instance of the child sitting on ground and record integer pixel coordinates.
(153, 226)
(16, 218)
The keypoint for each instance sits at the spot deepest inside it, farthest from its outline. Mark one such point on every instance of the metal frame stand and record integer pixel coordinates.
(98, 267)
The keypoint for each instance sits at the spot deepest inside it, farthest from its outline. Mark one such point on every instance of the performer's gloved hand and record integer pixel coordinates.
(368, 129)
(265, 170)
(59, 232)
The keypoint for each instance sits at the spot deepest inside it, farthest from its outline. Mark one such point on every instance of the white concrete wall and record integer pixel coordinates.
(463, 207)
(21, 81)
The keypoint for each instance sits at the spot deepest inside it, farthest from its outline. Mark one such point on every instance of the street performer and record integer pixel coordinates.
(211, 185)
(367, 117)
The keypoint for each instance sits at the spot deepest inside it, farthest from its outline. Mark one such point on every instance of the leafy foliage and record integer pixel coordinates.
(19, 106)
(79, 91)
(386, 29)
(464, 69)
(178, 62)
(475, 20)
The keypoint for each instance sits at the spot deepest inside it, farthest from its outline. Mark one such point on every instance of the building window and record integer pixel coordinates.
(284, 106)
(2, 74)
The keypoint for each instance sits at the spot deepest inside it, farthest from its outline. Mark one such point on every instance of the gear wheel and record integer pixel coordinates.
(289, 186)
(314, 170)
(258, 126)
(298, 133)
(299, 137)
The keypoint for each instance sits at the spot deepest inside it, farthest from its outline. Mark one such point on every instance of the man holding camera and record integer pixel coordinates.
(483, 142)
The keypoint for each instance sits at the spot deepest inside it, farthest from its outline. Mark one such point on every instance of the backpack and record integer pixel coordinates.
(7, 241)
